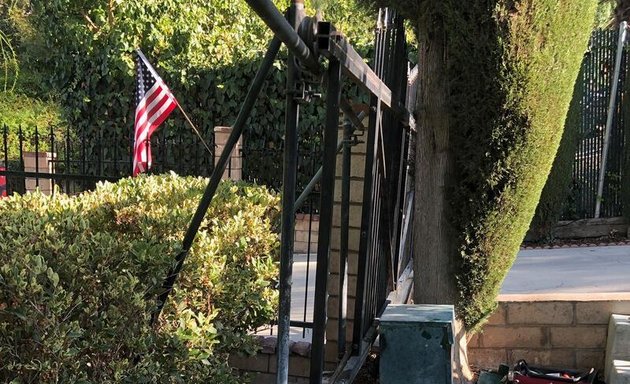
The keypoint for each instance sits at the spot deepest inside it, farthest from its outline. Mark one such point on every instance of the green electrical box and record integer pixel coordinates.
(415, 342)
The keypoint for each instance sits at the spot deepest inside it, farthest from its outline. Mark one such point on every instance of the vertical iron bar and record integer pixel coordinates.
(53, 157)
(36, 157)
(5, 136)
(577, 161)
(100, 165)
(67, 158)
(343, 247)
(83, 157)
(132, 140)
(292, 116)
(21, 145)
(590, 134)
(308, 257)
(333, 98)
(593, 131)
(602, 86)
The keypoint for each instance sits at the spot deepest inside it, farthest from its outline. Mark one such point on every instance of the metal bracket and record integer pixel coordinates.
(305, 94)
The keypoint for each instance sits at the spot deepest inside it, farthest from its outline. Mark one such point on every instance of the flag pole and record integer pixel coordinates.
(194, 128)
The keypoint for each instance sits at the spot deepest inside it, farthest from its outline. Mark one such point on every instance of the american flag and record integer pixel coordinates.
(154, 102)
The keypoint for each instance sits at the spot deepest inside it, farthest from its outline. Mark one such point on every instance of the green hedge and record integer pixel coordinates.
(513, 78)
(556, 195)
(79, 278)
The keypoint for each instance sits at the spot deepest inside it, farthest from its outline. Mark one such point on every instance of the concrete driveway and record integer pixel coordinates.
(577, 270)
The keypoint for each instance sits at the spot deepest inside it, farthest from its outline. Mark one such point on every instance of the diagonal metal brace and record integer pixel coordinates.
(202, 208)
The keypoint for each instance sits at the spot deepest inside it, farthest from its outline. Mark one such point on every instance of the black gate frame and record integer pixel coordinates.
(388, 141)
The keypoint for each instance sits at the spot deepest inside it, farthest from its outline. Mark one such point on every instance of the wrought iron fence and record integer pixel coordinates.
(596, 79)
(66, 160)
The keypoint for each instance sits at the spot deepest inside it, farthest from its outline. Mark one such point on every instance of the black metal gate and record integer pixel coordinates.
(386, 213)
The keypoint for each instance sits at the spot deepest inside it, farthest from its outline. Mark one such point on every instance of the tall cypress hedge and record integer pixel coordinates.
(557, 191)
(512, 65)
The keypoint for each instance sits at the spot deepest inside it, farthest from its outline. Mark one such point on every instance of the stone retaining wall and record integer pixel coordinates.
(263, 366)
(557, 332)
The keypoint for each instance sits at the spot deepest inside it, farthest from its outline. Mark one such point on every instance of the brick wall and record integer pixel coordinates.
(301, 241)
(568, 333)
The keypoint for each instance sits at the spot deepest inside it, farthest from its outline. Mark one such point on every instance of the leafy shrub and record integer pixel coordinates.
(79, 278)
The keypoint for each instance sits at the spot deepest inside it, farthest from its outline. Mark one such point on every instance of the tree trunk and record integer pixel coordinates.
(435, 246)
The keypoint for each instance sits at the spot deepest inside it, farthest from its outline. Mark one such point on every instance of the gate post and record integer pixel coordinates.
(234, 169)
(325, 218)
(292, 116)
(39, 162)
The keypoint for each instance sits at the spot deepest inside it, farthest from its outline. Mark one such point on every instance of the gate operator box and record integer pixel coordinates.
(415, 343)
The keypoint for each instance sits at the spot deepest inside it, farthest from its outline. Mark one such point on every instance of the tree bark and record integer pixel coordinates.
(435, 248)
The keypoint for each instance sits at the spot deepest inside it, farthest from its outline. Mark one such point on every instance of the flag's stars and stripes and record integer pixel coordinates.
(154, 102)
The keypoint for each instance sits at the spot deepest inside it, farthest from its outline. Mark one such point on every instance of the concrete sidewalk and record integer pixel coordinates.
(570, 271)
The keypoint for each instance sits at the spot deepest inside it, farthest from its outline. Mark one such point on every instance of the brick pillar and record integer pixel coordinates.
(357, 171)
(39, 162)
(234, 168)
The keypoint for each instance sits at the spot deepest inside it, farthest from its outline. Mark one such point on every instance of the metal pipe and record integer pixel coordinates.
(292, 116)
(333, 91)
(345, 225)
(609, 120)
(217, 173)
(285, 32)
